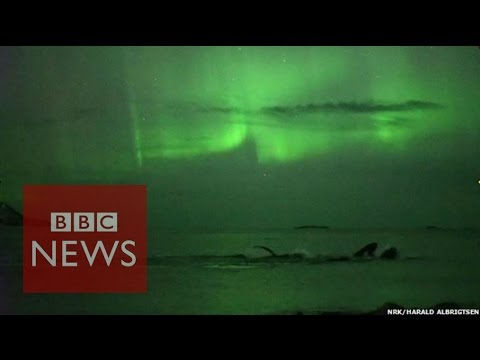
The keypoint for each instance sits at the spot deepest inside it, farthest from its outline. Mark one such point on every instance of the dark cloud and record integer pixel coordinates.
(352, 107)
(220, 109)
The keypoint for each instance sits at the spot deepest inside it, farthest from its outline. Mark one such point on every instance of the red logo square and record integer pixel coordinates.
(84, 239)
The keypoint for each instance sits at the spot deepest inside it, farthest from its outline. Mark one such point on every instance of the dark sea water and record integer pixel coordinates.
(194, 273)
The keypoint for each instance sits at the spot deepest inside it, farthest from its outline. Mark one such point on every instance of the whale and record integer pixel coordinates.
(365, 254)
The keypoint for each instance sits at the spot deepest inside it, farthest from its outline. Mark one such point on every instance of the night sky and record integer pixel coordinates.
(251, 137)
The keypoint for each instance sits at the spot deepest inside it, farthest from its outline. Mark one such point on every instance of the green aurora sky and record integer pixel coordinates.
(251, 137)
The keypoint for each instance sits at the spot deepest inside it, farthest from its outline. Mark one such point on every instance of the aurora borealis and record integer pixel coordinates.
(274, 97)
(252, 136)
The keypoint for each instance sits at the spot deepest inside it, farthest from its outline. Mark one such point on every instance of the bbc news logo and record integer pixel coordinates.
(87, 238)
(62, 222)
(84, 222)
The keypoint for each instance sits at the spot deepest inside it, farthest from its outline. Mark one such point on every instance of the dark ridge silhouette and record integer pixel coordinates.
(9, 216)
(383, 309)
(368, 250)
(311, 227)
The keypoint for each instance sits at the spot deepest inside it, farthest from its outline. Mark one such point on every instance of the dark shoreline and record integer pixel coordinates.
(383, 310)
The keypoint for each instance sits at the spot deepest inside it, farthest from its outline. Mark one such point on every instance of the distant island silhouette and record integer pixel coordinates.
(433, 227)
(311, 227)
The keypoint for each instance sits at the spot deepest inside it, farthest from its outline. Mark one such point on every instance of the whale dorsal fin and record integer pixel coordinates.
(266, 249)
